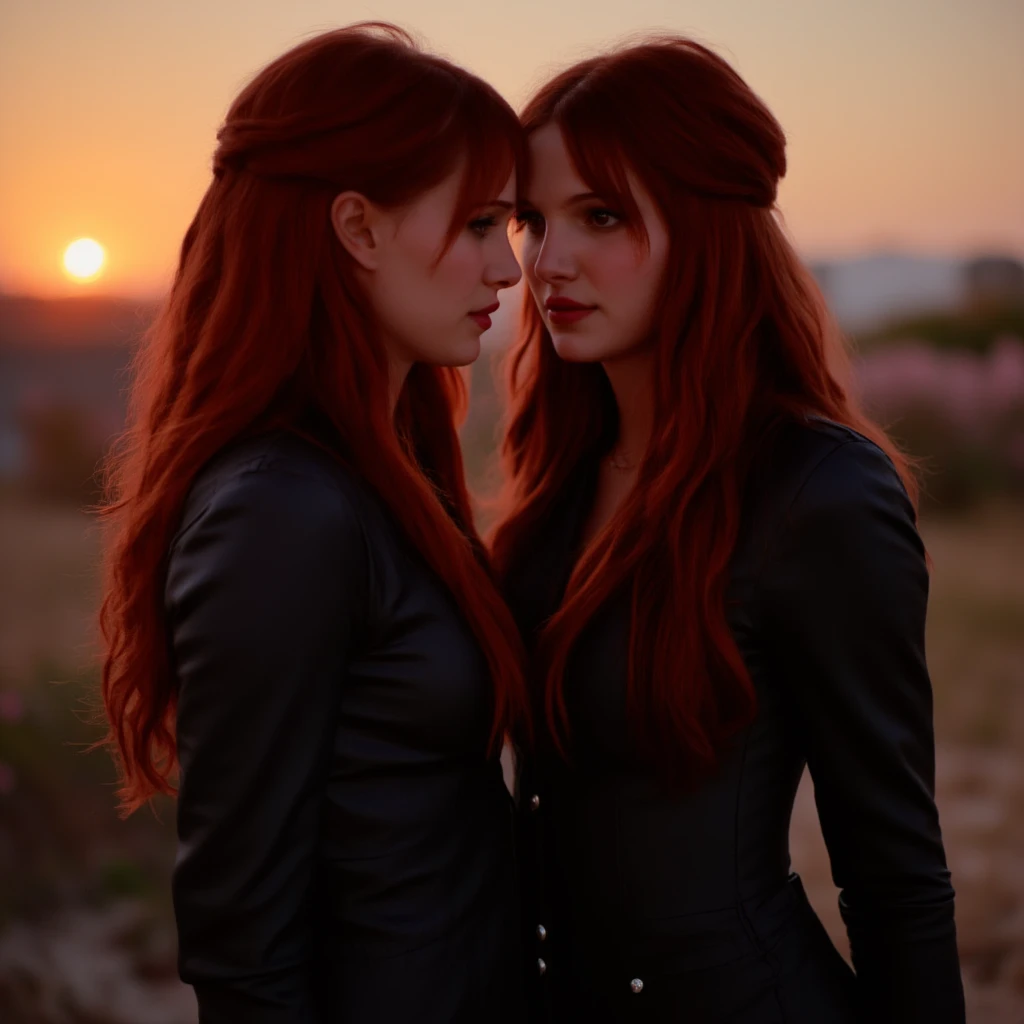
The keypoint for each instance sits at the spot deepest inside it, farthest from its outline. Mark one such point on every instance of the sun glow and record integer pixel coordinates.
(84, 259)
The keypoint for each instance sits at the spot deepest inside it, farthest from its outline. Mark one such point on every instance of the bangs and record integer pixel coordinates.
(441, 122)
(586, 115)
(492, 144)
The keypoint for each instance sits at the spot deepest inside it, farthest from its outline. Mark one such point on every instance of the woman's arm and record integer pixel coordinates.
(845, 602)
(265, 590)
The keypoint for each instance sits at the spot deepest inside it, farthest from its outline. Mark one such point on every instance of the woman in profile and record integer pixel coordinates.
(300, 629)
(714, 559)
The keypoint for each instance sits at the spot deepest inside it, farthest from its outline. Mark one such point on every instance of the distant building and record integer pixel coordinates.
(867, 291)
(990, 280)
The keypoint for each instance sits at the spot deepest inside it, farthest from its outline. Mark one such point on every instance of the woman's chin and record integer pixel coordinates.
(572, 348)
(462, 353)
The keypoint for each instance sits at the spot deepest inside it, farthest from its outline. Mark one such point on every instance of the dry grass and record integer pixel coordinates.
(48, 591)
(976, 652)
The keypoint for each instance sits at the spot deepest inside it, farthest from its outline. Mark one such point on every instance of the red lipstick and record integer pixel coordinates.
(563, 311)
(483, 316)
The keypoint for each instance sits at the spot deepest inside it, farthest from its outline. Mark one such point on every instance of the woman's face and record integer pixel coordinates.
(594, 285)
(432, 308)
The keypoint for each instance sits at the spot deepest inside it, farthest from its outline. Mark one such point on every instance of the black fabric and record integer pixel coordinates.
(345, 842)
(691, 892)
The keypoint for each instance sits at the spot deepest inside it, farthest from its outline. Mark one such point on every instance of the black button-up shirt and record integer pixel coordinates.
(668, 906)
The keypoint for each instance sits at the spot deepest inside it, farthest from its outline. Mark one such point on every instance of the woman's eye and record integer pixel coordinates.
(481, 225)
(531, 220)
(600, 217)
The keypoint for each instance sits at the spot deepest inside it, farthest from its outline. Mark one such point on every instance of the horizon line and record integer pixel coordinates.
(876, 252)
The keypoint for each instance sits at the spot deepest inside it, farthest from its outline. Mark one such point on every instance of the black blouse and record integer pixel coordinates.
(649, 904)
(345, 843)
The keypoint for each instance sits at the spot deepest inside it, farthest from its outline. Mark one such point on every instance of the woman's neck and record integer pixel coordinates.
(398, 370)
(632, 381)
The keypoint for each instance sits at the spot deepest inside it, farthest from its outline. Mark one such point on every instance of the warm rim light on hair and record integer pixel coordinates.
(743, 344)
(84, 259)
(303, 356)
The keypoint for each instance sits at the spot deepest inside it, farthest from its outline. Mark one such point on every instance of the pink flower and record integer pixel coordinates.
(970, 392)
(1006, 373)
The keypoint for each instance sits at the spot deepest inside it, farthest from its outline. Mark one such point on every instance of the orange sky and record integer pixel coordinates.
(905, 117)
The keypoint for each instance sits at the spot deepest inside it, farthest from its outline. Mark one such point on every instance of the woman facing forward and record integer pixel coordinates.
(296, 610)
(713, 556)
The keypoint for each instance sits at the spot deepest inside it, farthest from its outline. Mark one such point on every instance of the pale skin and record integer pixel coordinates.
(575, 246)
(432, 305)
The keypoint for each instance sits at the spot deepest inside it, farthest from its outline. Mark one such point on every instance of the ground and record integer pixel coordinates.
(84, 928)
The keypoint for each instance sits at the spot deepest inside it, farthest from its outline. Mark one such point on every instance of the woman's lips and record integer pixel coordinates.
(563, 312)
(482, 316)
(564, 317)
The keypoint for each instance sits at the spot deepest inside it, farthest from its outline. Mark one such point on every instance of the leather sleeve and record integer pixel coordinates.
(266, 588)
(845, 603)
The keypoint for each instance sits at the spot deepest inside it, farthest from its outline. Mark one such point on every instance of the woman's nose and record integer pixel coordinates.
(553, 260)
(505, 271)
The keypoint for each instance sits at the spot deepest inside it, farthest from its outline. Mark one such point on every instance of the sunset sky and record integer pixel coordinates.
(905, 118)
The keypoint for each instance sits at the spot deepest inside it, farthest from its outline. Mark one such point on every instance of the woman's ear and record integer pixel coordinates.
(357, 222)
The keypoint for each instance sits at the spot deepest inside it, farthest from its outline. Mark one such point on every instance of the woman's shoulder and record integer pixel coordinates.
(281, 478)
(816, 462)
(271, 528)
(817, 487)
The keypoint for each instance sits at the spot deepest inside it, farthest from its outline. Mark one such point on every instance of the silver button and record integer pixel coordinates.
(534, 802)
(542, 932)
(637, 985)
(541, 967)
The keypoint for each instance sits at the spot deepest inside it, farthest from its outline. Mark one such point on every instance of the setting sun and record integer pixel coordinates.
(84, 259)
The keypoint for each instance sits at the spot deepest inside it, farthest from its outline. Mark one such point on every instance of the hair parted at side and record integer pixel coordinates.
(743, 342)
(266, 327)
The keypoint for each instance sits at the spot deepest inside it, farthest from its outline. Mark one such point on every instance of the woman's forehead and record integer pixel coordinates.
(553, 176)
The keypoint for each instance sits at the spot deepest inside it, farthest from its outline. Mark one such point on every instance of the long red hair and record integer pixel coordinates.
(266, 327)
(742, 341)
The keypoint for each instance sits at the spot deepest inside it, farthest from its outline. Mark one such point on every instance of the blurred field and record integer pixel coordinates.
(976, 655)
(85, 926)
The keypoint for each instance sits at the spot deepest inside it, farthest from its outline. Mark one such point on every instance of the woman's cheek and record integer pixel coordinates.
(622, 269)
(458, 266)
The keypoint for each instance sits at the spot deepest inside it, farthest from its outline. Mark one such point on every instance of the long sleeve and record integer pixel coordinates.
(844, 600)
(266, 589)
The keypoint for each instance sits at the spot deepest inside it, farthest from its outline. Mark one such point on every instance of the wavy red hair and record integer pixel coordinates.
(265, 327)
(742, 341)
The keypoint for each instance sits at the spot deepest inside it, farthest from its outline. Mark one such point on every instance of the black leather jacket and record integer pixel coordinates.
(645, 904)
(345, 847)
